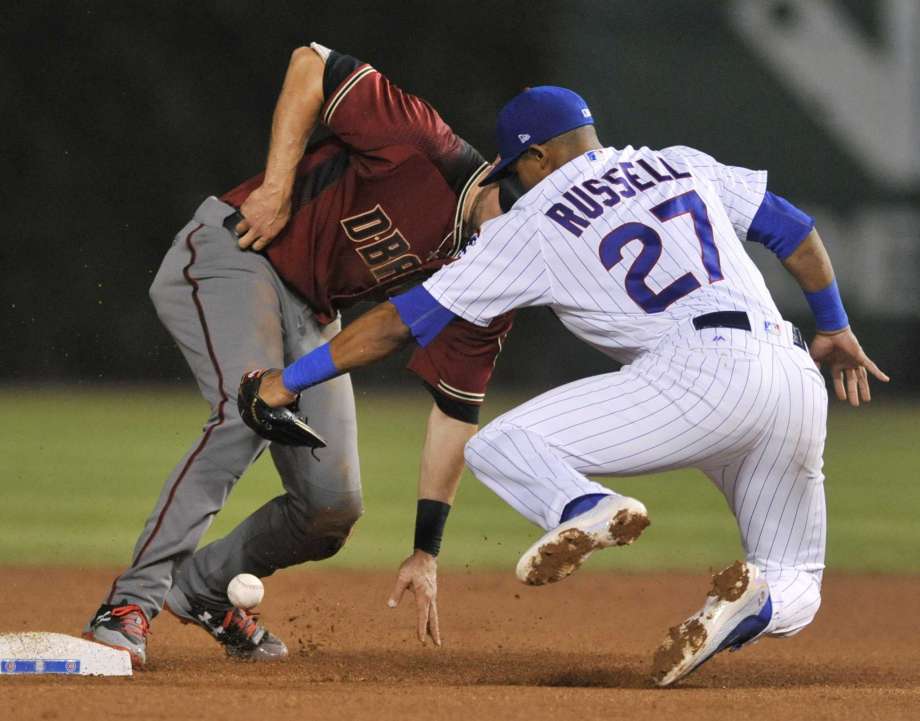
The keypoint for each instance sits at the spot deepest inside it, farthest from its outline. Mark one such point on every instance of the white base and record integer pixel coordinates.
(46, 653)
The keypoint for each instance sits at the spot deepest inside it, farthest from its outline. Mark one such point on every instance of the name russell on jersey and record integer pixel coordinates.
(586, 200)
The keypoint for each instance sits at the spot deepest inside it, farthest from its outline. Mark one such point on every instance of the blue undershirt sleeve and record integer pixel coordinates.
(310, 369)
(422, 314)
(780, 226)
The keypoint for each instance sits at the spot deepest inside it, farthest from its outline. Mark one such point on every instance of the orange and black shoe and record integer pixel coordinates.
(124, 627)
(238, 631)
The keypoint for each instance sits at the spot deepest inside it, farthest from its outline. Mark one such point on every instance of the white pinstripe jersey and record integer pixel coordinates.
(622, 245)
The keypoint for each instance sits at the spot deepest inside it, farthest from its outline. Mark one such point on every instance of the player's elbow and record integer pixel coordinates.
(302, 54)
(305, 73)
(306, 61)
(389, 330)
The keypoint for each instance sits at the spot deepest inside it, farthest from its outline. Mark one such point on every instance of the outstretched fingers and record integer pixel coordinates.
(839, 387)
(398, 590)
(852, 381)
(423, 614)
(868, 364)
(864, 392)
(434, 627)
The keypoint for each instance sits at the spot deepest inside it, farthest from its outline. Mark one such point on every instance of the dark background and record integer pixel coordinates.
(119, 118)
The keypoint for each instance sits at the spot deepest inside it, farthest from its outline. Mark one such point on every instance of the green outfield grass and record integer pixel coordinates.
(81, 469)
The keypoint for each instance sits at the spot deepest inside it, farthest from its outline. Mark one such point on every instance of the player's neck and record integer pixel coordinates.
(570, 151)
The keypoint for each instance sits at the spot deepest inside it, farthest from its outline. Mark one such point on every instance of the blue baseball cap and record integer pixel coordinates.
(532, 117)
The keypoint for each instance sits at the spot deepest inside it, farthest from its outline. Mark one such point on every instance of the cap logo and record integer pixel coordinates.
(586, 112)
(523, 137)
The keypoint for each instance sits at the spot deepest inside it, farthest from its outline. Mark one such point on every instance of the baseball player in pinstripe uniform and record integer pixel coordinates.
(639, 253)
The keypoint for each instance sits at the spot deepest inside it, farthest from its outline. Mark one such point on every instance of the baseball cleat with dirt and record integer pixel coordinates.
(124, 627)
(737, 611)
(238, 631)
(614, 521)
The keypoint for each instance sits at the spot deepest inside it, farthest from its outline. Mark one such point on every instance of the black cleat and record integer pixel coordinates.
(238, 631)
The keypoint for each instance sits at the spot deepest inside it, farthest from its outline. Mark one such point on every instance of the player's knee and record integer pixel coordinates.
(491, 443)
(332, 516)
(348, 513)
(326, 532)
(470, 450)
(481, 446)
(474, 452)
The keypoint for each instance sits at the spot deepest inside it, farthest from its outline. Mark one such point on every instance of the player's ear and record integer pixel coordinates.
(540, 154)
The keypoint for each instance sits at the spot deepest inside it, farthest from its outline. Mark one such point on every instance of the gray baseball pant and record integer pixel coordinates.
(229, 313)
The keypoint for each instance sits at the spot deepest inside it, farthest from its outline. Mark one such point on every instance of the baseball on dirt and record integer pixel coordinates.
(245, 591)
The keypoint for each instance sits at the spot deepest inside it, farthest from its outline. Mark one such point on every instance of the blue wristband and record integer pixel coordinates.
(827, 307)
(315, 367)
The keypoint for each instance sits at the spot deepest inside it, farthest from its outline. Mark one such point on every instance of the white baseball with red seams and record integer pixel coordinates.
(245, 591)
(627, 247)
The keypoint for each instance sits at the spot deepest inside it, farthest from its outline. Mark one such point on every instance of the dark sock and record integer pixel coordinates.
(579, 505)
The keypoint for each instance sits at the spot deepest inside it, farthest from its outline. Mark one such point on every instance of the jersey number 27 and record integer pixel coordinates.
(611, 252)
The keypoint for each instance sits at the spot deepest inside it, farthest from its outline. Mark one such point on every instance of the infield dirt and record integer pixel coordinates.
(578, 650)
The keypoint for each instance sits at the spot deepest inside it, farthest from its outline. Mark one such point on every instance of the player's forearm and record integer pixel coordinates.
(811, 267)
(373, 336)
(810, 264)
(439, 477)
(296, 114)
(442, 456)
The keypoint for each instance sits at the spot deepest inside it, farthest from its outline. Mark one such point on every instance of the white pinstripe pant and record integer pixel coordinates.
(748, 411)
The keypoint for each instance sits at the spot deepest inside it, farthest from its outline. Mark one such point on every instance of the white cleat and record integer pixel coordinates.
(614, 521)
(736, 612)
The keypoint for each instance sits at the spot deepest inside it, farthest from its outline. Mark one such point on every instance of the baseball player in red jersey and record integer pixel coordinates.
(256, 280)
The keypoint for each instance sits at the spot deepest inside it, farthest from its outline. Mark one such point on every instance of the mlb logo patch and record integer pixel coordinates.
(586, 112)
(771, 327)
(523, 137)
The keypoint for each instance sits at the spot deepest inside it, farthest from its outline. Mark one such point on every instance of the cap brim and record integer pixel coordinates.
(498, 172)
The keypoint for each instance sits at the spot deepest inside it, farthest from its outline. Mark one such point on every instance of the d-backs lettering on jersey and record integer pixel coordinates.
(622, 244)
(376, 207)
(380, 245)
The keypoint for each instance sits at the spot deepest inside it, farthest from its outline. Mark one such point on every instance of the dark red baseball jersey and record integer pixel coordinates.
(377, 208)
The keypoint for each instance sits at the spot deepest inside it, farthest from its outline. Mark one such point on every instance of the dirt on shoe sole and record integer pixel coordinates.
(559, 559)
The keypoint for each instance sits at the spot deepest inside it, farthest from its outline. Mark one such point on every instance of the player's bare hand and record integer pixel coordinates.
(273, 392)
(419, 574)
(265, 213)
(848, 364)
